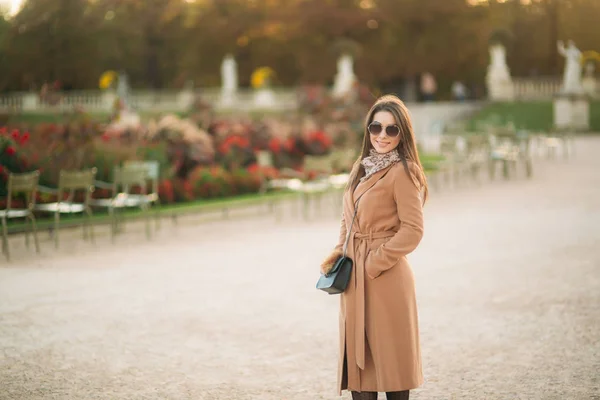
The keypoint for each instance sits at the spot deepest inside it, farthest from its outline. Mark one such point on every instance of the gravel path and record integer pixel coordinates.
(508, 279)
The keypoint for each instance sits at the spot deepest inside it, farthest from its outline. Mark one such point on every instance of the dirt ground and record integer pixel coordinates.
(508, 284)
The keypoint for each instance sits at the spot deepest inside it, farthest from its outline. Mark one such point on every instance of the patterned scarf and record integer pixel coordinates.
(375, 162)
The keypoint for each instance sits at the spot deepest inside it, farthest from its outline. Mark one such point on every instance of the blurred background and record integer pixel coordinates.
(171, 176)
(162, 44)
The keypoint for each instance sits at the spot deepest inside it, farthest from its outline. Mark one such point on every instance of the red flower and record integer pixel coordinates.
(224, 148)
(275, 145)
(321, 137)
(105, 137)
(15, 134)
(244, 142)
(1, 169)
(252, 168)
(289, 144)
(3, 130)
(25, 138)
(166, 191)
(10, 150)
(234, 141)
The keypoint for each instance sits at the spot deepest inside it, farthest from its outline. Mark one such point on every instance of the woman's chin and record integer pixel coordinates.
(383, 150)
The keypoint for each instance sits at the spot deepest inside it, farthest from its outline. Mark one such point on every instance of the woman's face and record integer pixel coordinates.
(383, 142)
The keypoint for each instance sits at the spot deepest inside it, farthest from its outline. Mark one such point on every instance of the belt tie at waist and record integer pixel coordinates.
(360, 253)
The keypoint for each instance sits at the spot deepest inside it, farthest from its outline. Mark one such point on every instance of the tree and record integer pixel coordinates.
(51, 40)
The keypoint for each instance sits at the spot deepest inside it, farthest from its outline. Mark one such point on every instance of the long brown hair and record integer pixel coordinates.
(407, 148)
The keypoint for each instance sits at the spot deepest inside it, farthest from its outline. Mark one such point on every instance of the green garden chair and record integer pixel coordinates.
(447, 169)
(152, 178)
(509, 148)
(20, 183)
(560, 137)
(124, 180)
(477, 154)
(70, 182)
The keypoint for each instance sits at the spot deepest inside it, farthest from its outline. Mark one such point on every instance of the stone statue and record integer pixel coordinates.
(498, 62)
(229, 81)
(499, 81)
(124, 116)
(345, 77)
(572, 73)
(229, 74)
(123, 89)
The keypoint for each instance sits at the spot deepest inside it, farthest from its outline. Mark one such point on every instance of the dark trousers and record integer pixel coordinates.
(373, 395)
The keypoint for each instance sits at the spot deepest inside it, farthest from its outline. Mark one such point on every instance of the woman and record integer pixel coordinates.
(379, 334)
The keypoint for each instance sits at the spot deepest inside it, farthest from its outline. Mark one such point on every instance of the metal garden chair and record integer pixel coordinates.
(124, 180)
(26, 183)
(152, 177)
(71, 182)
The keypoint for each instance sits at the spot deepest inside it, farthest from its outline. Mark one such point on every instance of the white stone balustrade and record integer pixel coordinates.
(141, 100)
(536, 88)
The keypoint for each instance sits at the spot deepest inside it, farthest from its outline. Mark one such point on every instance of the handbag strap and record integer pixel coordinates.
(351, 225)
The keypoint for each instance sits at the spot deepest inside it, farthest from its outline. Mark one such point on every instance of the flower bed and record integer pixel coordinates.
(220, 161)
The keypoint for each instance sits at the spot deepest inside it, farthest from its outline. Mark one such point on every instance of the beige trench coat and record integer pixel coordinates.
(379, 333)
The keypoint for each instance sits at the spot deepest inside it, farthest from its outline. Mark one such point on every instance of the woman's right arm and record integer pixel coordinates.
(343, 233)
(337, 252)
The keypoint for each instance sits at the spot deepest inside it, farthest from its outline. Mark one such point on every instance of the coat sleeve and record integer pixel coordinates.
(410, 213)
(343, 232)
(330, 260)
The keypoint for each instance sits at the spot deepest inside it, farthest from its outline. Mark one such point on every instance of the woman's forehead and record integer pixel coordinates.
(384, 117)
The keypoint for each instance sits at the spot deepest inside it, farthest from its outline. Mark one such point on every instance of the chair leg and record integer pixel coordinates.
(305, 204)
(5, 240)
(90, 226)
(147, 217)
(120, 220)
(492, 170)
(528, 168)
(157, 206)
(27, 228)
(84, 229)
(35, 233)
(56, 225)
(113, 226)
(505, 169)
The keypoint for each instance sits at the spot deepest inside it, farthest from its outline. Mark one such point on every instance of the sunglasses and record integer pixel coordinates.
(375, 128)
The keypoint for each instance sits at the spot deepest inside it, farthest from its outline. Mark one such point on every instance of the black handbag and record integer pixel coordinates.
(336, 281)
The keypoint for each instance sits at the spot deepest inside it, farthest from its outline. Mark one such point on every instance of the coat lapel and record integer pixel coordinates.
(368, 183)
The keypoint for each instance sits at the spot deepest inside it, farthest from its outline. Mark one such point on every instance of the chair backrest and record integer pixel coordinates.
(264, 158)
(505, 133)
(25, 182)
(126, 177)
(77, 180)
(477, 142)
(152, 167)
(73, 180)
(152, 172)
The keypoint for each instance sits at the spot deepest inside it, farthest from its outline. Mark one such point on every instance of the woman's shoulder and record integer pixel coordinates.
(400, 168)
(405, 176)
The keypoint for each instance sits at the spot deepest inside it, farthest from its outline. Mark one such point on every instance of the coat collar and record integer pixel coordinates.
(368, 183)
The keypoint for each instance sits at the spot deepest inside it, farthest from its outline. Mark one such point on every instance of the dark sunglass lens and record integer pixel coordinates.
(392, 130)
(375, 129)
